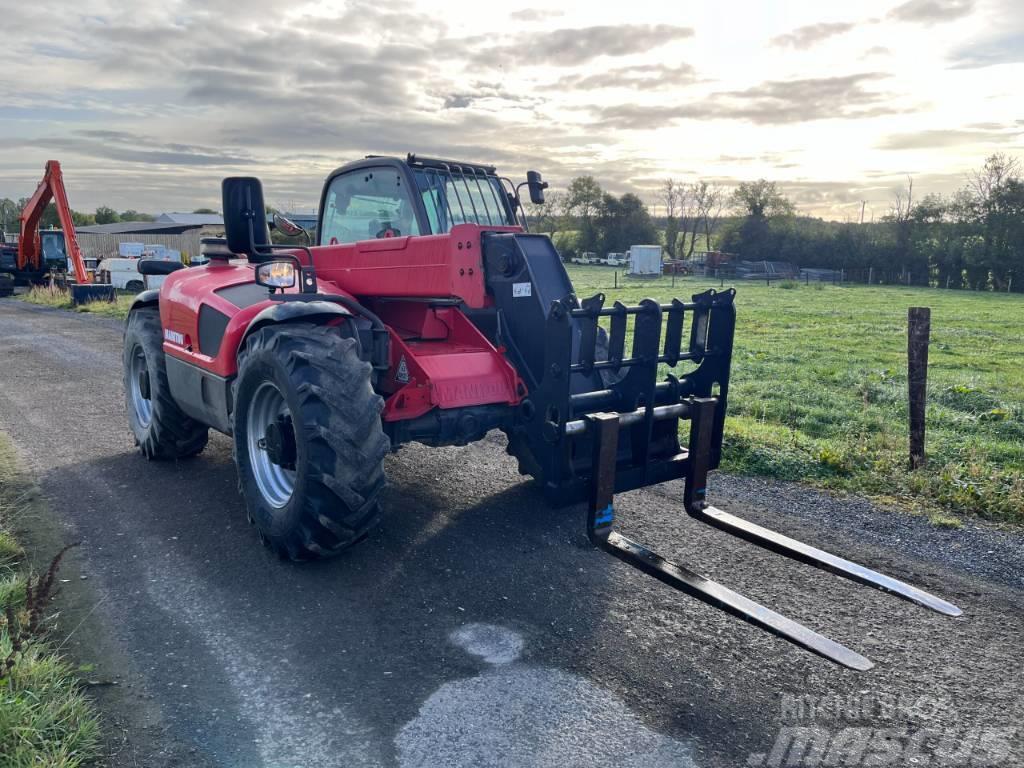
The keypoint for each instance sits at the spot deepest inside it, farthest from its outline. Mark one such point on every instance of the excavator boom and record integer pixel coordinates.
(30, 254)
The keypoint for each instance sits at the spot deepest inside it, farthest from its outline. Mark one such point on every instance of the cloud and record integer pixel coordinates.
(122, 147)
(638, 76)
(1006, 49)
(932, 11)
(812, 34)
(985, 133)
(575, 46)
(535, 14)
(771, 102)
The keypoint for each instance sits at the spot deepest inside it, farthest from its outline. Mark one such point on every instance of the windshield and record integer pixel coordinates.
(53, 246)
(452, 198)
(367, 204)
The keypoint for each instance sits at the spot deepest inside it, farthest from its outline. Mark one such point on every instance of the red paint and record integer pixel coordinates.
(449, 362)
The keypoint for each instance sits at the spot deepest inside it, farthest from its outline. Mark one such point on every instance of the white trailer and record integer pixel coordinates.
(644, 260)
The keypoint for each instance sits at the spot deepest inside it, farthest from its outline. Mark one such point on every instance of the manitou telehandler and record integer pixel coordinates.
(427, 312)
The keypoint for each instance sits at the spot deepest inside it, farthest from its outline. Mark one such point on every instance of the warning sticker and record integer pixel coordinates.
(522, 289)
(402, 374)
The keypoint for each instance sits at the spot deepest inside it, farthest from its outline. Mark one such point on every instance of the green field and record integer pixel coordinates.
(819, 390)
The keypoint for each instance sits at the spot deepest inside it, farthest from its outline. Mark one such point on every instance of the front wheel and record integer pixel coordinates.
(160, 428)
(309, 443)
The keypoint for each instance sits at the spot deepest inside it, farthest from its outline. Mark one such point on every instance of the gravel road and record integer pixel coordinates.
(477, 626)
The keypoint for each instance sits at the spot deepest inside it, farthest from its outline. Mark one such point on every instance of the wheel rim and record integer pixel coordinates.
(266, 407)
(141, 404)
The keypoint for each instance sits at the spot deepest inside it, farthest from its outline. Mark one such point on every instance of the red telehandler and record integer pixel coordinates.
(427, 312)
(44, 254)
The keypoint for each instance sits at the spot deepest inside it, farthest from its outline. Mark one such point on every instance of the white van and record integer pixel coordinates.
(124, 275)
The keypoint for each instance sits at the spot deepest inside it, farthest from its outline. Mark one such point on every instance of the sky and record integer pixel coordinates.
(149, 104)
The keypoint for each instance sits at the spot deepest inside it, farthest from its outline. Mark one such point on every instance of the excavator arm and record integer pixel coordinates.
(30, 256)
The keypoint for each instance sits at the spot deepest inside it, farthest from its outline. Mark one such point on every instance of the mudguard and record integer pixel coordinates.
(148, 298)
(287, 311)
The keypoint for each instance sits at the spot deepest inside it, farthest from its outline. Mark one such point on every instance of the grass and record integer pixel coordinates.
(818, 390)
(50, 296)
(45, 719)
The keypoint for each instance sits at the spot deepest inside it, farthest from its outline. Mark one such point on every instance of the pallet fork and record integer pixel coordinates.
(649, 413)
(604, 428)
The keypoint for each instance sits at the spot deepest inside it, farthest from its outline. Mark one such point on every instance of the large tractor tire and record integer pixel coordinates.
(309, 443)
(162, 431)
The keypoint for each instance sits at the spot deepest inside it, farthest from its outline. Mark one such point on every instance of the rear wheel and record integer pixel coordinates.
(6, 284)
(135, 286)
(309, 443)
(160, 428)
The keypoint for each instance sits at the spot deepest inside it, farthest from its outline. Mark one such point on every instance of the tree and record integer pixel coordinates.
(670, 197)
(761, 200)
(10, 214)
(106, 215)
(82, 219)
(582, 203)
(711, 210)
(760, 203)
(622, 222)
(205, 210)
(547, 217)
(901, 216)
(133, 215)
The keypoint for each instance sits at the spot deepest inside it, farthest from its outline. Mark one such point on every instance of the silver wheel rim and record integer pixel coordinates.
(276, 483)
(141, 404)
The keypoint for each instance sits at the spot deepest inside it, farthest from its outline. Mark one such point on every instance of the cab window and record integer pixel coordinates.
(365, 204)
(456, 198)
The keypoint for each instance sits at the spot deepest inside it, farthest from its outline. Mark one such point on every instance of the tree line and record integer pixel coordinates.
(971, 239)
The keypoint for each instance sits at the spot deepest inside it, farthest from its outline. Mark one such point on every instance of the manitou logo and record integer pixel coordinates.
(174, 337)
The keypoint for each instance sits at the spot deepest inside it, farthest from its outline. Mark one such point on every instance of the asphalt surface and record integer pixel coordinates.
(477, 626)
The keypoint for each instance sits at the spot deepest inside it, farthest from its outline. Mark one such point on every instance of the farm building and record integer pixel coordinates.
(100, 241)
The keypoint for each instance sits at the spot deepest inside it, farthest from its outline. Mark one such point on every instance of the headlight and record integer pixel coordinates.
(276, 274)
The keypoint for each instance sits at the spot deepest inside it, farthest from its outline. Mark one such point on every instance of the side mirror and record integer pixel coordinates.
(287, 226)
(537, 187)
(158, 266)
(245, 218)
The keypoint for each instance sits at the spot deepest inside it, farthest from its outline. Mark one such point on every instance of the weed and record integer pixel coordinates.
(45, 719)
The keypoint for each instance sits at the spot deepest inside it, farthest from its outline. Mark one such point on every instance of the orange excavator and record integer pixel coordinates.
(45, 254)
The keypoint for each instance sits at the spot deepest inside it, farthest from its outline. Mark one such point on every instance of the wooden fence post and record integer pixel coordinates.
(918, 332)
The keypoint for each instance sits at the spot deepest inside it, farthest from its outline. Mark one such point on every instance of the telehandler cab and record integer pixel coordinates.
(427, 312)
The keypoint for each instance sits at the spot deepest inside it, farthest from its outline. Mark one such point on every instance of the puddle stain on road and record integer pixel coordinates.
(516, 715)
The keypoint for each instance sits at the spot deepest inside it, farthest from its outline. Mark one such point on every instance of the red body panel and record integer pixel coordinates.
(429, 266)
(439, 359)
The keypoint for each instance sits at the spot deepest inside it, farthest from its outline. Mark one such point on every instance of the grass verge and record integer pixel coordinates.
(45, 719)
(819, 390)
(51, 296)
